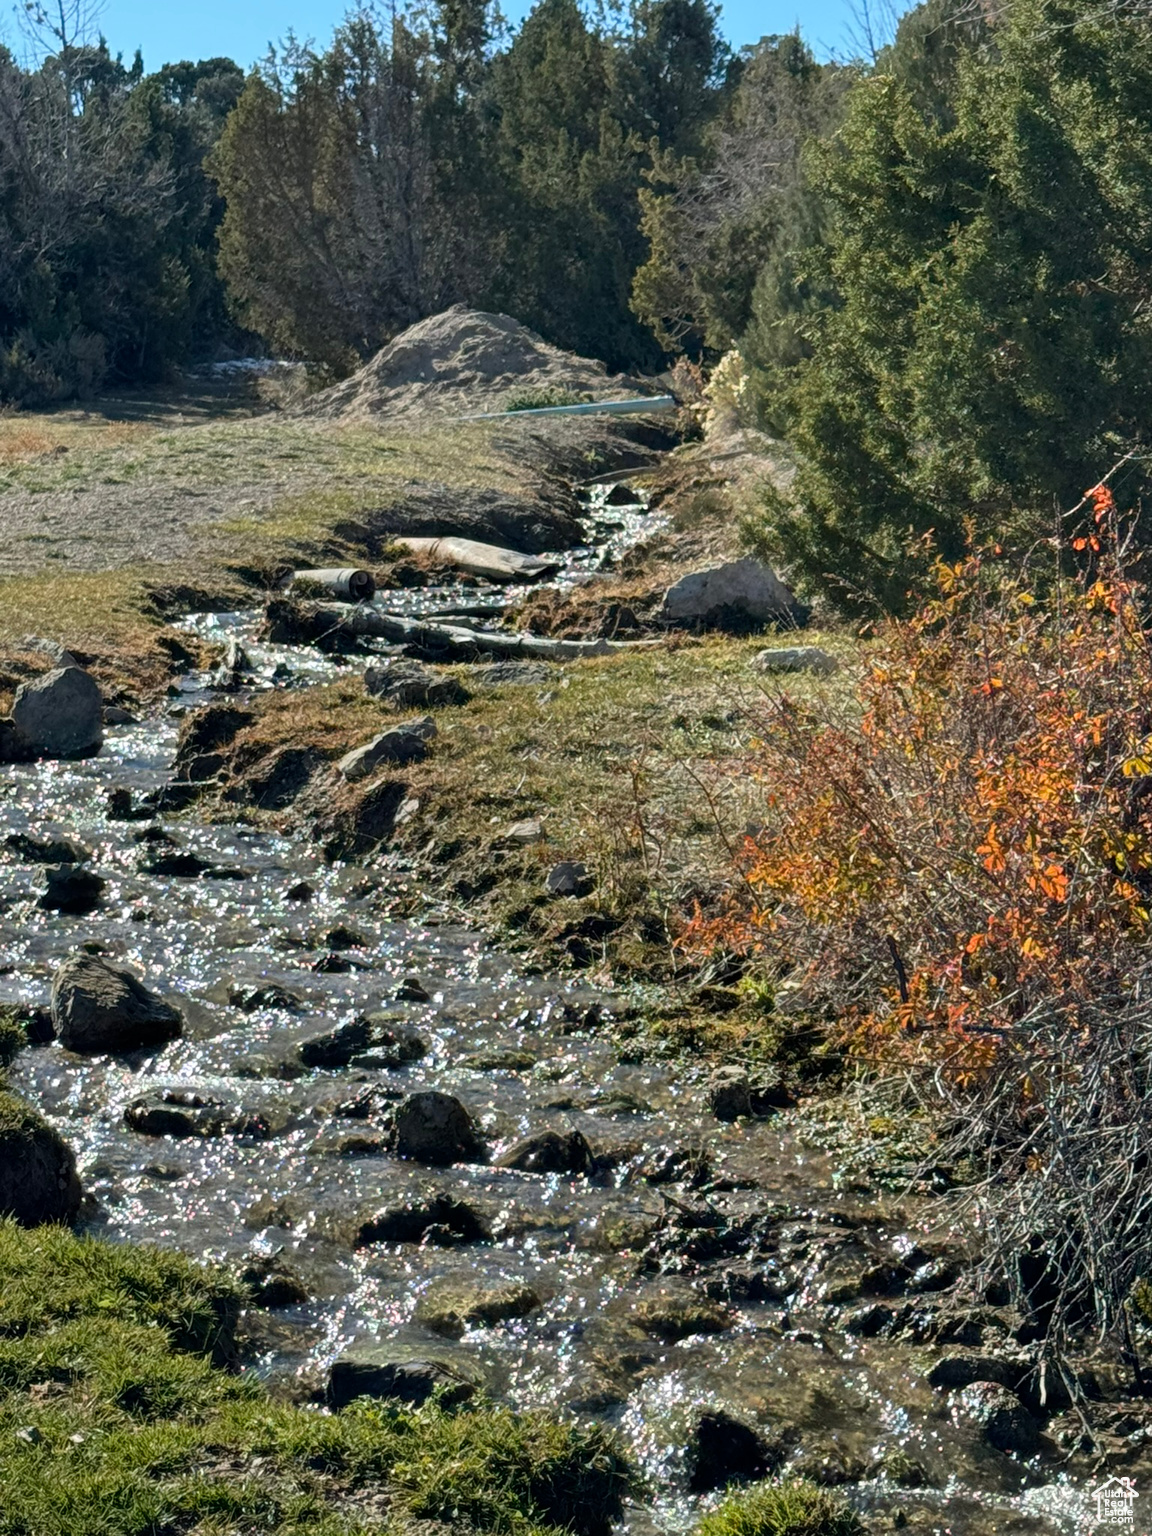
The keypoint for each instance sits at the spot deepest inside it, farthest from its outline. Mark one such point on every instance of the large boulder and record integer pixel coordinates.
(38, 1181)
(432, 1127)
(60, 714)
(98, 1008)
(738, 595)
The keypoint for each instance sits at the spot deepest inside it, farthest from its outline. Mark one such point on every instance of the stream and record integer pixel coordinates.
(700, 1267)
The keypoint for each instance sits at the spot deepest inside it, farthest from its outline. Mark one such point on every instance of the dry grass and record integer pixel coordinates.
(231, 495)
(23, 437)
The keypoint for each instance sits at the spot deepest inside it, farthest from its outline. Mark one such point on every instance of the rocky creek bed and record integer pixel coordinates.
(592, 1229)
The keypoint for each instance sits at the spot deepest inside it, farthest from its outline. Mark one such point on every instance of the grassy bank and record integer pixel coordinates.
(633, 765)
(118, 1416)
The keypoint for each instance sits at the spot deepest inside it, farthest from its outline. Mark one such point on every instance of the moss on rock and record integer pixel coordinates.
(38, 1179)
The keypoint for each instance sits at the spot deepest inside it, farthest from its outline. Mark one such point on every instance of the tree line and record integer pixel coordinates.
(929, 270)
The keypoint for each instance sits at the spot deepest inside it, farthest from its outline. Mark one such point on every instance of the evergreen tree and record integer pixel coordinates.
(724, 226)
(989, 349)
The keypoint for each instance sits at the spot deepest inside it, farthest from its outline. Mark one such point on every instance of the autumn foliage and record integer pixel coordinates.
(973, 839)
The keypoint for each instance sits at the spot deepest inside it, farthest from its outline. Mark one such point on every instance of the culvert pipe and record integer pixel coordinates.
(350, 586)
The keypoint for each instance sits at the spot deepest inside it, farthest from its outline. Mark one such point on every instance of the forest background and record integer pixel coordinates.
(927, 269)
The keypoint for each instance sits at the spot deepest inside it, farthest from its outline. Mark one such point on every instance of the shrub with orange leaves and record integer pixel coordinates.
(976, 838)
(959, 869)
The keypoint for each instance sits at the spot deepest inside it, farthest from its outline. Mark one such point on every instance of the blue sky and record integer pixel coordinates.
(168, 30)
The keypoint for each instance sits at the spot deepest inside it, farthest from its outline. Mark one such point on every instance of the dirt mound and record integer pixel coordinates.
(463, 361)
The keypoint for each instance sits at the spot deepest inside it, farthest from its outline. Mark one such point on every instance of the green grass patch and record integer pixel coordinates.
(114, 1421)
(543, 399)
(791, 1508)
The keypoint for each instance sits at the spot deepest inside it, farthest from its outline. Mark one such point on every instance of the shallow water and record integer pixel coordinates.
(524, 1053)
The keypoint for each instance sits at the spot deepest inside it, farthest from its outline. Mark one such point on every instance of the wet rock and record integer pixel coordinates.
(266, 995)
(38, 1180)
(896, 1466)
(593, 1391)
(411, 685)
(98, 1008)
(795, 658)
(616, 1102)
(516, 674)
(621, 495)
(269, 1211)
(155, 836)
(72, 890)
(358, 1146)
(723, 1449)
(937, 1275)
(389, 1039)
(734, 1093)
(45, 850)
(870, 1321)
(374, 1371)
(499, 1061)
(119, 806)
(569, 879)
(203, 736)
(58, 715)
(432, 1127)
(440, 1219)
(338, 965)
(750, 1282)
(407, 743)
(731, 596)
(181, 1112)
(955, 1371)
(551, 1152)
(412, 990)
(273, 1284)
(365, 1104)
(175, 863)
(451, 1307)
(343, 937)
(672, 1316)
(677, 1165)
(1002, 1418)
